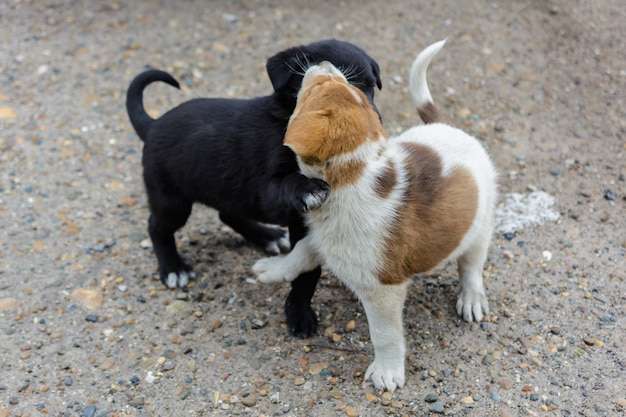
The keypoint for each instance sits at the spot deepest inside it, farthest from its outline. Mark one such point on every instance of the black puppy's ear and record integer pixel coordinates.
(376, 71)
(280, 68)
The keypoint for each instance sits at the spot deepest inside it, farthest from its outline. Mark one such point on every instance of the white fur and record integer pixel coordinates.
(280, 245)
(348, 231)
(179, 280)
(420, 94)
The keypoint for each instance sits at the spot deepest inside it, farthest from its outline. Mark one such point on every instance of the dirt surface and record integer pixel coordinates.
(86, 328)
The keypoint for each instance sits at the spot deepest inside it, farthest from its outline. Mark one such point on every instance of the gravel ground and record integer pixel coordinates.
(86, 329)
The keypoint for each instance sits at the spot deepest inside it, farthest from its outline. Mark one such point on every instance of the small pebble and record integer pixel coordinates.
(230, 17)
(506, 384)
(89, 411)
(431, 398)
(137, 401)
(509, 235)
(90, 299)
(92, 318)
(249, 401)
(316, 368)
(436, 408)
(609, 195)
(107, 364)
(8, 303)
(494, 396)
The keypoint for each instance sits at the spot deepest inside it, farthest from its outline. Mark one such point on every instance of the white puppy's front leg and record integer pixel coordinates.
(383, 306)
(302, 258)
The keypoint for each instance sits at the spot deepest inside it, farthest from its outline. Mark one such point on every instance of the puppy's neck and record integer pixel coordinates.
(346, 169)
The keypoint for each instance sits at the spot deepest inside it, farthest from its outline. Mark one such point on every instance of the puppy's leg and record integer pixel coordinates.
(300, 317)
(301, 264)
(272, 240)
(383, 305)
(289, 188)
(169, 214)
(472, 303)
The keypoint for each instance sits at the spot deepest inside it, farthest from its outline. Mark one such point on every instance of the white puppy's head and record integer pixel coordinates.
(331, 119)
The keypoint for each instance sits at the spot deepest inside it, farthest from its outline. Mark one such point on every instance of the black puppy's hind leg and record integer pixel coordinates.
(163, 223)
(271, 239)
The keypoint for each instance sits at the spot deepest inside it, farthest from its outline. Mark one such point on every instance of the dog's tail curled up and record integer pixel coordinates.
(419, 87)
(140, 120)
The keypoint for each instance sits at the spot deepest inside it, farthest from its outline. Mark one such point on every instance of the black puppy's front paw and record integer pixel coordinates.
(311, 195)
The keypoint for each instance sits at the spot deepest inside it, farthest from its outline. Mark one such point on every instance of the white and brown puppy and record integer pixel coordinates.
(397, 206)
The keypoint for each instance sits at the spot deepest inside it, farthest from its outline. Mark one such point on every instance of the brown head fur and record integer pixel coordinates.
(332, 118)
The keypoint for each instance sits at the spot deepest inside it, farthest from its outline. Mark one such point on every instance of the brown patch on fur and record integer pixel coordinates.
(331, 118)
(437, 212)
(429, 113)
(341, 175)
(386, 181)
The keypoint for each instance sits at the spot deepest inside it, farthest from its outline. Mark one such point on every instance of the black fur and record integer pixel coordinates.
(228, 154)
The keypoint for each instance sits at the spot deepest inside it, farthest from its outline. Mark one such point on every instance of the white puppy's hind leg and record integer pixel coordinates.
(383, 306)
(302, 258)
(472, 303)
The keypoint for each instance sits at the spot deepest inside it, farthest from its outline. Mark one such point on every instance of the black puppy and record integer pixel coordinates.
(228, 154)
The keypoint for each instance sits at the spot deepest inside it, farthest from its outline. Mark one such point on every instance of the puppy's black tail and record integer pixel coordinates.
(419, 87)
(140, 120)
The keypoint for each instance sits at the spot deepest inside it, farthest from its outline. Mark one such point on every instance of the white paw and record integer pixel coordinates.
(272, 248)
(278, 246)
(178, 280)
(388, 376)
(270, 270)
(472, 305)
(284, 244)
(314, 200)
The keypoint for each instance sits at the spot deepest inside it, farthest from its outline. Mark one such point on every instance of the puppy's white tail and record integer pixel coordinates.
(419, 87)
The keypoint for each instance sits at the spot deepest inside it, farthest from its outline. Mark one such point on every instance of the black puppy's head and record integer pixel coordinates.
(287, 68)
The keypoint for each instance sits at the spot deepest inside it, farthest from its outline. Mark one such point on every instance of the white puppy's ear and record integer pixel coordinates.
(307, 133)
